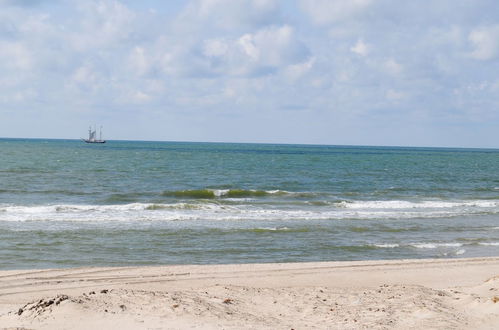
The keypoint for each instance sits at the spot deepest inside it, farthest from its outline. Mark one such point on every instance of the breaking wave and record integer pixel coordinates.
(228, 193)
(223, 205)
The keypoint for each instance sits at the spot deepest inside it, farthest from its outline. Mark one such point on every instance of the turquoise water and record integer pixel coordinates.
(65, 203)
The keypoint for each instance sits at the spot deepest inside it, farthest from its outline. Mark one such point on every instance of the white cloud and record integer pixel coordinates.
(270, 48)
(215, 47)
(84, 75)
(229, 14)
(15, 55)
(324, 12)
(360, 48)
(392, 67)
(140, 96)
(485, 41)
(248, 46)
(86, 81)
(296, 71)
(139, 61)
(224, 38)
(103, 23)
(262, 52)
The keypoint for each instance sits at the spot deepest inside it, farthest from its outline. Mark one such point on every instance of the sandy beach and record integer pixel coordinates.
(410, 294)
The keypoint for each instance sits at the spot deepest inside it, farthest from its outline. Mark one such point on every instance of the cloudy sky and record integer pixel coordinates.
(361, 72)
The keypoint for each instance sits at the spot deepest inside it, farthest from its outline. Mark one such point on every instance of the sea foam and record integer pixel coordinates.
(434, 245)
(245, 208)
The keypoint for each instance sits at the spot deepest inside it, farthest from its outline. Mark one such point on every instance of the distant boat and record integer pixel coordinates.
(92, 136)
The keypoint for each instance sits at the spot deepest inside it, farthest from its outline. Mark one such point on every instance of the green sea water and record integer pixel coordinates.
(64, 203)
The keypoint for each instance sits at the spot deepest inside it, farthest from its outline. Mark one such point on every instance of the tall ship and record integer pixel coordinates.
(92, 136)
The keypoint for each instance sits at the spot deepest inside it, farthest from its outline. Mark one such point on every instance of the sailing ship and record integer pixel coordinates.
(92, 136)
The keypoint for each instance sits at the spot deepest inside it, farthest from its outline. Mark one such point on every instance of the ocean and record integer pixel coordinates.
(64, 203)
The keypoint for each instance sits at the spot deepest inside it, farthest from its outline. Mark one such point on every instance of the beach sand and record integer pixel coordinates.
(398, 294)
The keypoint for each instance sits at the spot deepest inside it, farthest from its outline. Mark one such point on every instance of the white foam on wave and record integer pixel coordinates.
(225, 192)
(220, 192)
(386, 245)
(400, 204)
(273, 228)
(239, 199)
(489, 243)
(277, 192)
(434, 245)
(241, 209)
(125, 212)
(174, 211)
(455, 253)
(104, 208)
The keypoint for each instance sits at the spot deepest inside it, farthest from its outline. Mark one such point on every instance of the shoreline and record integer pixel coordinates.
(410, 293)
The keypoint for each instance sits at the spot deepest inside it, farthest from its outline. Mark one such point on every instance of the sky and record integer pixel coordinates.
(341, 72)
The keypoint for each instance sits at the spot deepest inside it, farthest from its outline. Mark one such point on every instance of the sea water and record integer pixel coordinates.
(64, 203)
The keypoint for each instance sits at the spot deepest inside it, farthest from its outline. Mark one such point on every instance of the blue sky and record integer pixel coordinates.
(362, 72)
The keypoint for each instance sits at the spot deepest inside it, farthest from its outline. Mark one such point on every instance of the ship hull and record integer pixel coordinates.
(88, 141)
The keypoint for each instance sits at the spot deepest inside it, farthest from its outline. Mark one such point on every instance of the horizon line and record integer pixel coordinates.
(264, 143)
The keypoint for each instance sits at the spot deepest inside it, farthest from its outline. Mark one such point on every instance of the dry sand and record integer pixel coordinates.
(399, 294)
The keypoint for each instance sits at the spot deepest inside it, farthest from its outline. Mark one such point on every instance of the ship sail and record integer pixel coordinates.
(92, 136)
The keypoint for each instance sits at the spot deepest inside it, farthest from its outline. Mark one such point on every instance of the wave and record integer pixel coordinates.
(400, 204)
(228, 207)
(386, 246)
(127, 197)
(446, 248)
(263, 230)
(419, 245)
(227, 193)
(201, 193)
(435, 245)
(489, 243)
